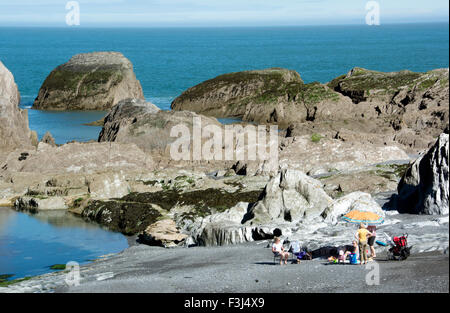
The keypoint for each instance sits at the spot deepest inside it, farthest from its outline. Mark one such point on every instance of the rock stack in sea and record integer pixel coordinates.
(89, 81)
(14, 130)
(404, 107)
(144, 124)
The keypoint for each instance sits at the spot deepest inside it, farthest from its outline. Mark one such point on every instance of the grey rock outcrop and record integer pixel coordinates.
(273, 95)
(14, 130)
(404, 107)
(292, 203)
(78, 158)
(291, 196)
(323, 156)
(424, 189)
(35, 204)
(142, 123)
(122, 115)
(89, 81)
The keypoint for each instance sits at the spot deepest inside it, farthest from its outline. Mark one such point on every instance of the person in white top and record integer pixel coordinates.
(277, 248)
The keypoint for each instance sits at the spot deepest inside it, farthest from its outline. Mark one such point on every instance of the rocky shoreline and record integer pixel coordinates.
(344, 143)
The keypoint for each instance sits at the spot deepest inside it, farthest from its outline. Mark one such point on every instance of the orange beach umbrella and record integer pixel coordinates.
(357, 216)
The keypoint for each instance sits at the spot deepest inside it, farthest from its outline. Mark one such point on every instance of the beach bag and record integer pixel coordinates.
(353, 259)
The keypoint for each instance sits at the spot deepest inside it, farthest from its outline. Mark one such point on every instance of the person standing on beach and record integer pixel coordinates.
(361, 235)
(371, 241)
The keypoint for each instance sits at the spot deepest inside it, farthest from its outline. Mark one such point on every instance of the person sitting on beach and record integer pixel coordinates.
(295, 249)
(354, 250)
(278, 250)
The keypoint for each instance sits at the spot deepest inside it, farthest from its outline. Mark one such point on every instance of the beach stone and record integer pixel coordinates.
(424, 189)
(89, 81)
(290, 196)
(162, 233)
(14, 129)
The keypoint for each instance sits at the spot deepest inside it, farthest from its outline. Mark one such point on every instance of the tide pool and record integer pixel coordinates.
(30, 244)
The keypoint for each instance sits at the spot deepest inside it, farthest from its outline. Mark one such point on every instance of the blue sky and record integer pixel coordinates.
(163, 13)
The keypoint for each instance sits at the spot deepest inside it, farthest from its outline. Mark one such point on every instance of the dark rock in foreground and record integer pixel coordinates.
(424, 189)
(134, 212)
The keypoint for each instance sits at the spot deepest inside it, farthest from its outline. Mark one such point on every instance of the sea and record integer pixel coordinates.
(167, 61)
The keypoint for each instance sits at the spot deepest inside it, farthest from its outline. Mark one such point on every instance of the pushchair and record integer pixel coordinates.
(399, 249)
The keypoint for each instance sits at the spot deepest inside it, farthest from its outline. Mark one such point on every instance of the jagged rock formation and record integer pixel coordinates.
(89, 81)
(35, 204)
(412, 105)
(424, 189)
(407, 108)
(291, 201)
(142, 123)
(122, 115)
(14, 130)
(266, 96)
(291, 196)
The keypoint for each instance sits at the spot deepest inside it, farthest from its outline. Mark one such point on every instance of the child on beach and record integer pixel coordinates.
(361, 235)
(353, 251)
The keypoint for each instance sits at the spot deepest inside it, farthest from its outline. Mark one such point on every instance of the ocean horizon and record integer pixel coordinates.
(169, 60)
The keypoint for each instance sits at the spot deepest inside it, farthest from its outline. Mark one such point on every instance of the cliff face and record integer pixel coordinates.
(424, 187)
(408, 108)
(250, 94)
(413, 106)
(90, 81)
(14, 131)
